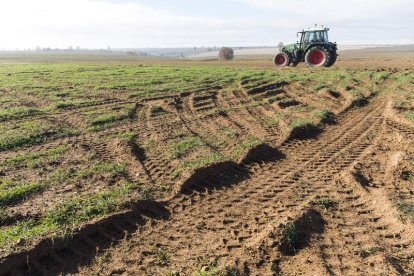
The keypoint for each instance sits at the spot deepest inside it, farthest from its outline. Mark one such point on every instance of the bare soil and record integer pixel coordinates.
(328, 200)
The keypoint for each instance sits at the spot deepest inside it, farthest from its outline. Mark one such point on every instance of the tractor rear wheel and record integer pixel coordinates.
(282, 59)
(332, 60)
(317, 56)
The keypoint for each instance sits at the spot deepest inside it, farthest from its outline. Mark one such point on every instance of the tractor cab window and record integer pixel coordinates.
(318, 36)
(325, 35)
(322, 36)
(308, 38)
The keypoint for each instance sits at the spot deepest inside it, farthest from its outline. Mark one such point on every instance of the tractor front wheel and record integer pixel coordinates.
(282, 59)
(317, 56)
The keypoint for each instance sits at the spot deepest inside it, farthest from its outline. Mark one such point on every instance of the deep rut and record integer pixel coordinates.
(222, 216)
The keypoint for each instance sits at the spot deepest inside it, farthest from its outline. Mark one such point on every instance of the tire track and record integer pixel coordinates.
(400, 127)
(233, 208)
(225, 220)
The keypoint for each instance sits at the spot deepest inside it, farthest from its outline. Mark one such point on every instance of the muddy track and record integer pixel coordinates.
(227, 213)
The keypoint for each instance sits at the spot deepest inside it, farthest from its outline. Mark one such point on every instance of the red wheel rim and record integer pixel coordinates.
(280, 59)
(316, 57)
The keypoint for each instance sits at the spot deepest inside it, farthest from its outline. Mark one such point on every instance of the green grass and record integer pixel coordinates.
(19, 112)
(66, 216)
(18, 192)
(245, 145)
(326, 116)
(161, 257)
(12, 192)
(301, 123)
(229, 132)
(158, 111)
(270, 122)
(30, 133)
(102, 168)
(381, 76)
(172, 273)
(322, 86)
(216, 140)
(213, 270)
(410, 116)
(202, 161)
(109, 119)
(86, 90)
(290, 241)
(403, 96)
(3, 216)
(207, 268)
(5, 183)
(74, 103)
(326, 203)
(32, 160)
(76, 211)
(68, 86)
(175, 174)
(406, 209)
(180, 148)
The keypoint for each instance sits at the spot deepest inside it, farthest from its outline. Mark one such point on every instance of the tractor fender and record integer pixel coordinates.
(287, 51)
(329, 47)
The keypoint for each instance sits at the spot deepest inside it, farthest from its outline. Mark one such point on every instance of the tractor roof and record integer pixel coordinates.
(316, 28)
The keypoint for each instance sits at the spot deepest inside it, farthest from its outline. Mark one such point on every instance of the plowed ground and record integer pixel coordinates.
(125, 170)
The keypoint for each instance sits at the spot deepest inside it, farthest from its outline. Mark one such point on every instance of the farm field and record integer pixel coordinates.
(206, 168)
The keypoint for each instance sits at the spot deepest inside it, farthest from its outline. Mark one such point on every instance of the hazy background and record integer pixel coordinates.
(188, 23)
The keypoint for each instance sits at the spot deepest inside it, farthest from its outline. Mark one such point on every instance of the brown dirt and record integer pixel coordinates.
(232, 214)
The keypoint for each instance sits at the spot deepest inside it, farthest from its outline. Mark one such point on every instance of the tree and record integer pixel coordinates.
(226, 53)
(280, 45)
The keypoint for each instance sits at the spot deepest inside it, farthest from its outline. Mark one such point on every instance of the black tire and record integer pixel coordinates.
(282, 59)
(332, 61)
(317, 56)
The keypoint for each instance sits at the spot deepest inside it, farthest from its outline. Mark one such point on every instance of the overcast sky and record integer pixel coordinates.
(181, 23)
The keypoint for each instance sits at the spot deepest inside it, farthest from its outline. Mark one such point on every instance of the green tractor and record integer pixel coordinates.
(314, 49)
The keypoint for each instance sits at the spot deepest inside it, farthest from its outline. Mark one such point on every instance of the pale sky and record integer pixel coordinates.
(188, 23)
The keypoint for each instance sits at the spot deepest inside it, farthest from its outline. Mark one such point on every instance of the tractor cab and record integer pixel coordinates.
(308, 37)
